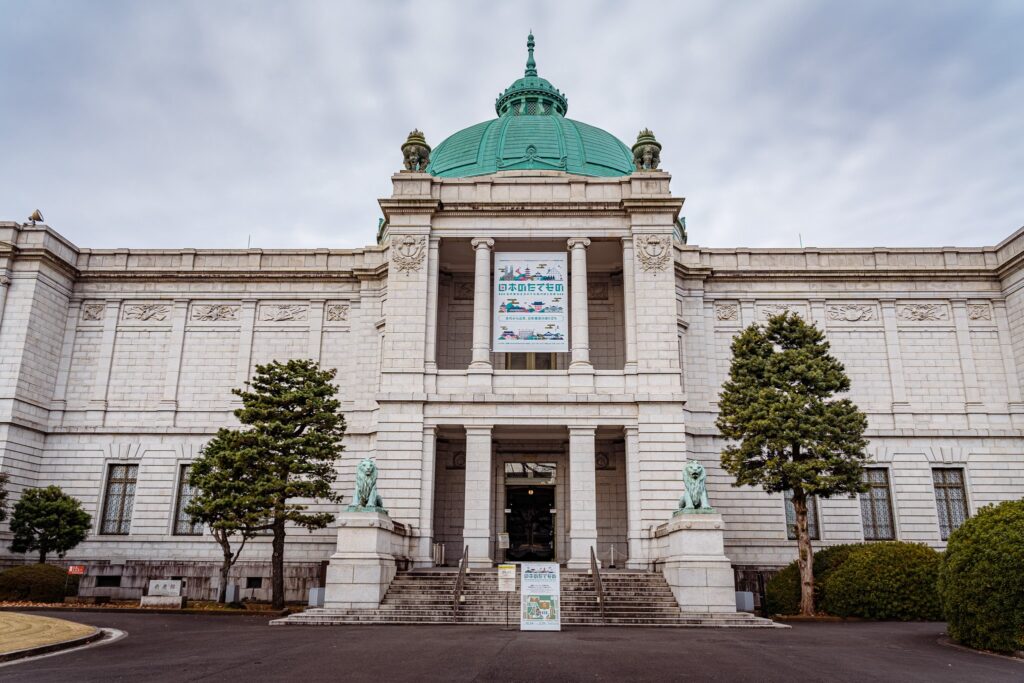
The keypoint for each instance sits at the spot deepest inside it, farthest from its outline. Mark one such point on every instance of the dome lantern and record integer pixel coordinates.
(531, 95)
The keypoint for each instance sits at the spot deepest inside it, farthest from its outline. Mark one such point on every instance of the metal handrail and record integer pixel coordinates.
(460, 583)
(595, 570)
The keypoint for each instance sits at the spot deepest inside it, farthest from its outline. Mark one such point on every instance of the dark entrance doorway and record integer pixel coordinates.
(531, 528)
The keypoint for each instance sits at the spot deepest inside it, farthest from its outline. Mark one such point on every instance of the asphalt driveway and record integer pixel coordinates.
(199, 647)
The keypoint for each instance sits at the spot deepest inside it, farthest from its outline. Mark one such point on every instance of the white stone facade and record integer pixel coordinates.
(128, 357)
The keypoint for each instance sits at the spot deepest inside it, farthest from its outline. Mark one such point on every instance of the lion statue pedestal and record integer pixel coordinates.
(364, 564)
(691, 550)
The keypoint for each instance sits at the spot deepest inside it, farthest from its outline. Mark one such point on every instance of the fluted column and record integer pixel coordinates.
(482, 306)
(578, 296)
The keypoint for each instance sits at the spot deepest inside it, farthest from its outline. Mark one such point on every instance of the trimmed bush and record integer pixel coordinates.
(891, 580)
(35, 583)
(782, 592)
(980, 581)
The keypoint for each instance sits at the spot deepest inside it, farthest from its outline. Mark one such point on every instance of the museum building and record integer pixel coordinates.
(530, 353)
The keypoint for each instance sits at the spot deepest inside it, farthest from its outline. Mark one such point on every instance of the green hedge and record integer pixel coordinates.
(35, 583)
(981, 581)
(782, 592)
(892, 580)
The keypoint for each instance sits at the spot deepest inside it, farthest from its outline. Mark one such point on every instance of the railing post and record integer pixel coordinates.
(459, 582)
(595, 570)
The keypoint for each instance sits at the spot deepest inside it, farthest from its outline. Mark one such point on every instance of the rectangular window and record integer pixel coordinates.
(108, 581)
(183, 524)
(119, 500)
(812, 517)
(876, 506)
(950, 499)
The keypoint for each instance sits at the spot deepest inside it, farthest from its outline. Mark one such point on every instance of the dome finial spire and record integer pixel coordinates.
(531, 66)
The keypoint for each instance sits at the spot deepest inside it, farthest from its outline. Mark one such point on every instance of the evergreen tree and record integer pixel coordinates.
(788, 431)
(3, 496)
(48, 520)
(228, 497)
(294, 431)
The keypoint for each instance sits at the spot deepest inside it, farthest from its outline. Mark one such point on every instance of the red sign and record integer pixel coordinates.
(76, 569)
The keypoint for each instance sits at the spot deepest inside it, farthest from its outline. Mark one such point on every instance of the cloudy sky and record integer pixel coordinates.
(205, 124)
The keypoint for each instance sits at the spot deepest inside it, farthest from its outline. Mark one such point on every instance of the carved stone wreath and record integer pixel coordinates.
(92, 312)
(727, 312)
(214, 312)
(851, 313)
(922, 312)
(337, 313)
(654, 252)
(146, 312)
(979, 312)
(407, 253)
(282, 312)
(771, 310)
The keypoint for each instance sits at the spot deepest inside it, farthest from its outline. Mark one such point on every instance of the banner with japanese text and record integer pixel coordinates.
(530, 302)
(541, 597)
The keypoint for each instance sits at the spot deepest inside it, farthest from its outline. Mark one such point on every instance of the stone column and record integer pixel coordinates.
(900, 406)
(59, 402)
(246, 324)
(578, 297)
(433, 271)
(172, 371)
(634, 524)
(5, 282)
(972, 392)
(481, 363)
(425, 554)
(1015, 404)
(629, 303)
(316, 328)
(582, 496)
(476, 528)
(98, 400)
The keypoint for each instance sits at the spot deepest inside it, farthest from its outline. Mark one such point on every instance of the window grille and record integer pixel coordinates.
(812, 517)
(183, 524)
(876, 506)
(531, 107)
(119, 500)
(950, 499)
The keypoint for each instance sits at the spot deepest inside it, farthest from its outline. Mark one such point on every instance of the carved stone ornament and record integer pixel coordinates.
(922, 312)
(416, 152)
(463, 290)
(337, 313)
(654, 252)
(727, 312)
(646, 151)
(851, 313)
(146, 312)
(771, 310)
(597, 291)
(4, 280)
(979, 312)
(407, 253)
(214, 312)
(92, 312)
(283, 312)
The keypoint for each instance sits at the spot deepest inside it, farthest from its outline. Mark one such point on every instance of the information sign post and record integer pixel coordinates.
(507, 585)
(540, 597)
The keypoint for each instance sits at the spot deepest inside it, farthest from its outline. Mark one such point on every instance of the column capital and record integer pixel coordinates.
(578, 242)
(582, 430)
(479, 242)
(479, 430)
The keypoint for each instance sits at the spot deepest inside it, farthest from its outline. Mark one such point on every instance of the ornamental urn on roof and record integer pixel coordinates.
(416, 152)
(646, 151)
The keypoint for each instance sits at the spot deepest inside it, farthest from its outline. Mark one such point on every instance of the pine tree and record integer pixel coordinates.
(49, 521)
(3, 496)
(788, 430)
(294, 431)
(228, 497)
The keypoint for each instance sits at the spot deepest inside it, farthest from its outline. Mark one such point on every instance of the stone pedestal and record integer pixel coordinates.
(363, 566)
(692, 558)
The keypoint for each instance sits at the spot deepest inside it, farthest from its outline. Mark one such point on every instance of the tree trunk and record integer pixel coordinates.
(42, 556)
(225, 569)
(805, 559)
(277, 565)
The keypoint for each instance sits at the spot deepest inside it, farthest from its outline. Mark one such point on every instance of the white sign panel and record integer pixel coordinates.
(506, 578)
(541, 601)
(531, 302)
(168, 588)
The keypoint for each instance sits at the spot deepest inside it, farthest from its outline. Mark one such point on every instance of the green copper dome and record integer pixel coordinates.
(531, 133)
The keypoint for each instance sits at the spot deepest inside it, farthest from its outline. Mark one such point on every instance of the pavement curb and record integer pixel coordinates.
(949, 642)
(52, 647)
(153, 610)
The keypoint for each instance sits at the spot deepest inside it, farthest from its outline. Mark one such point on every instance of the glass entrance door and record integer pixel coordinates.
(530, 523)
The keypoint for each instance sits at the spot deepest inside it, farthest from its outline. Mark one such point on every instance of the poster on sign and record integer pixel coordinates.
(530, 302)
(541, 597)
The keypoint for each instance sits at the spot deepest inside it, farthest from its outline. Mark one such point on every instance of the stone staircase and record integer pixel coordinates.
(425, 597)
